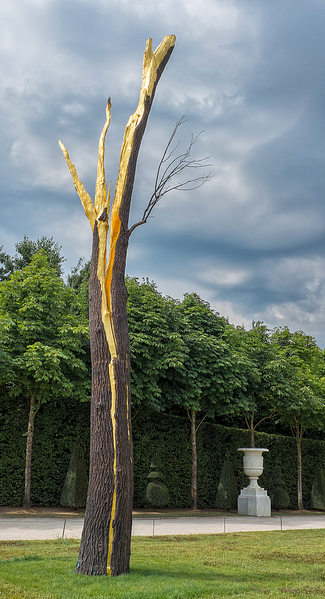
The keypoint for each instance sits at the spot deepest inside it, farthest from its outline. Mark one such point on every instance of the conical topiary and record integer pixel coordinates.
(74, 492)
(227, 493)
(318, 489)
(278, 494)
(157, 494)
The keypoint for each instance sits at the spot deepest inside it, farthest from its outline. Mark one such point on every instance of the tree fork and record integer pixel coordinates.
(105, 543)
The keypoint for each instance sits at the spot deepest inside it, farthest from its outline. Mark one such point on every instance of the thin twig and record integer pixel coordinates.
(170, 167)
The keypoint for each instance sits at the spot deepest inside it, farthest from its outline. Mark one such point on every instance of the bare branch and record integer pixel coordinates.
(170, 168)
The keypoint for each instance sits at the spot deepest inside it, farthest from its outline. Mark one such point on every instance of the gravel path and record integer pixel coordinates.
(33, 528)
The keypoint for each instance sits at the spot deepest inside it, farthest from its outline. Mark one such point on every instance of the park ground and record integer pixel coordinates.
(251, 565)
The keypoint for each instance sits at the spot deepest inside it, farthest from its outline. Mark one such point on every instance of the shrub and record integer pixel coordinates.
(74, 492)
(157, 494)
(227, 493)
(280, 499)
(318, 489)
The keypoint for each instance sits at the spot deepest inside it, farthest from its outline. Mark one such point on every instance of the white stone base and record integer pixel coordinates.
(254, 501)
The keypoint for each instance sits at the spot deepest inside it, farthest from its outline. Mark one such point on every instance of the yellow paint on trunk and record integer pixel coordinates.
(151, 63)
(96, 211)
(111, 524)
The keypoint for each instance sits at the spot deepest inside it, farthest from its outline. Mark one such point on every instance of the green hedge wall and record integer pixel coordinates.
(57, 426)
(54, 437)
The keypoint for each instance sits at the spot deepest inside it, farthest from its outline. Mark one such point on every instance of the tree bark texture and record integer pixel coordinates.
(194, 460)
(252, 431)
(298, 434)
(29, 449)
(106, 537)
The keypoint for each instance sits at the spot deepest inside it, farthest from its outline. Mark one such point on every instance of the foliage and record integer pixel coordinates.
(280, 499)
(157, 349)
(184, 356)
(169, 438)
(227, 492)
(258, 356)
(74, 492)
(79, 274)
(41, 342)
(41, 336)
(209, 374)
(55, 437)
(157, 494)
(318, 489)
(25, 250)
(300, 396)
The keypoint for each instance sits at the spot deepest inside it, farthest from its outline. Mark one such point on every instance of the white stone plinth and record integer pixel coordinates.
(254, 501)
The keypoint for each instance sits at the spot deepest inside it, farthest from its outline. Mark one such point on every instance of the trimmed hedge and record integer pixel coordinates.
(57, 426)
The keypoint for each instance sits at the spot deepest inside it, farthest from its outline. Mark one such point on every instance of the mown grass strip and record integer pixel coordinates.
(243, 565)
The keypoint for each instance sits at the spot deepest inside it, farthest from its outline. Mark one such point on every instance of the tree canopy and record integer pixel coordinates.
(185, 357)
(42, 342)
(25, 250)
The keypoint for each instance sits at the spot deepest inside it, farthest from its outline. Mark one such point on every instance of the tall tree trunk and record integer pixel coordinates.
(298, 434)
(252, 431)
(29, 449)
(194, 460)
(106, 537)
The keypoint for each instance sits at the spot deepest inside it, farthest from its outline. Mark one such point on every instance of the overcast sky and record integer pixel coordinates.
(249, 73)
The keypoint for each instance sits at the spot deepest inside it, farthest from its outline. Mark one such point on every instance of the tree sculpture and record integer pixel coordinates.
(105, 543)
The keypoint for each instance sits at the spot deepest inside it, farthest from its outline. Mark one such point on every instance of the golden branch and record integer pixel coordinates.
(83, 195)
(101, 200)
(151, 64)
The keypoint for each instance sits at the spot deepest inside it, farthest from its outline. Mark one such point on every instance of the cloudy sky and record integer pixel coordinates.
(250, 74)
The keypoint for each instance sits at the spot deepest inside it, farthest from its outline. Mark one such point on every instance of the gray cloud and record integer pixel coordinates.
(251, 75)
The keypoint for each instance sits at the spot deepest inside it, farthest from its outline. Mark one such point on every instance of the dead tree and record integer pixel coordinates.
(105, 542)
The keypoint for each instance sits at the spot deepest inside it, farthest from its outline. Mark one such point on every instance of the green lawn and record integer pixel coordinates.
(243, 565)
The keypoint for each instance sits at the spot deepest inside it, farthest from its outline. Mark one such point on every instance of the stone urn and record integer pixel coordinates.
(253, 500)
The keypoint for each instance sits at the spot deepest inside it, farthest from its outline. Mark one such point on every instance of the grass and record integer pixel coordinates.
(243, 565)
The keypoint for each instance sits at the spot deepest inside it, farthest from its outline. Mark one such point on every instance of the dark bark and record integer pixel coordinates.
(120, 555)
(298, 435)
(94, 542)
(94, 557)
(252, 431)
(29, 449)
(94, 548)
(194, 460)
(106, 537)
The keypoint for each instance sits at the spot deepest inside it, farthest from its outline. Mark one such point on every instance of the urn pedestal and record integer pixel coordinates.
(253, 500)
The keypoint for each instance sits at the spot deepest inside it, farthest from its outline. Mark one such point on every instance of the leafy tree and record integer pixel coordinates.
(156, 346)
(79, 275)
(258, 355)
(5, 264)
(41, 341)
(25, 250)
(211, 380)
(300, 389)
